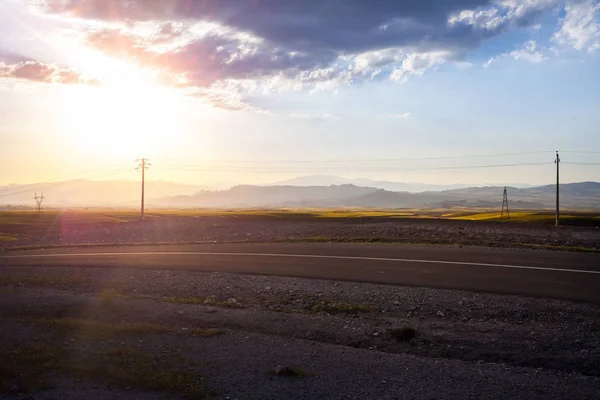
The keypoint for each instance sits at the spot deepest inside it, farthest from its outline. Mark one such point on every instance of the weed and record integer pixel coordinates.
(121, 367)
(212, 301)
(296, 372)
(340, 307)
(107, 296)
(90, 328)
(206, 332)
(403, 334)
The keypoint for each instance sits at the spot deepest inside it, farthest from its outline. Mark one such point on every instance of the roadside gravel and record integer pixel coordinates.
(467, 345)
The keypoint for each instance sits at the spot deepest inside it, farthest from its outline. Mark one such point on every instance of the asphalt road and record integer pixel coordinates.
(563, 275)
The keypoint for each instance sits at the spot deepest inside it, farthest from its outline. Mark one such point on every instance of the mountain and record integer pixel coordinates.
(328, 180)
(81, 193)
(267, 196)
(584, 195)
(93, 193)
(313, 180)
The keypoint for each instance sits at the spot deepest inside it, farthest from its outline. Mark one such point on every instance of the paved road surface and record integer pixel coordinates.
(564, 275)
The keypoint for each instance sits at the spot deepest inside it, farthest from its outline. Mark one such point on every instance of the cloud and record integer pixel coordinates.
(317, 116)
(47, 73)
(528, 52)
(267, 45)
(580, 28)
(404, 115)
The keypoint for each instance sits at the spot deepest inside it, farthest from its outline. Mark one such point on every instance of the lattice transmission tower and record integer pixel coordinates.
(505, 207)
(38, 201)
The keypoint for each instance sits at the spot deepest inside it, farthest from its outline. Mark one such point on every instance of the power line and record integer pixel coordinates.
(254, 169)
(376, 159)
(580, 151)
(580, 163)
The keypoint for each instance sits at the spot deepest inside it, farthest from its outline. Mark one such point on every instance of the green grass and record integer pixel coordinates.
(120, 367)
(7, 238)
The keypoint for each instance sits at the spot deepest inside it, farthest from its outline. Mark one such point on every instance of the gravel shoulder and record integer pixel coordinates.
(349, 340)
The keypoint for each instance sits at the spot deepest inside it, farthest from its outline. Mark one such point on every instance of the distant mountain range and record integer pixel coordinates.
(328, 180)
(78, 193)
(584, 195)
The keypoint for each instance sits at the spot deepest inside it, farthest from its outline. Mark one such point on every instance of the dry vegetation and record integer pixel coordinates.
(27, 229)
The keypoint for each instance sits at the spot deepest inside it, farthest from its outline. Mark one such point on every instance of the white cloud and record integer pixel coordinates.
(317, 116)
(528, 52)
(404, 115)
(580, 28)
(417, 63)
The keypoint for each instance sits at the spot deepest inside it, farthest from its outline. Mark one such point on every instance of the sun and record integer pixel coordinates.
(128, 116)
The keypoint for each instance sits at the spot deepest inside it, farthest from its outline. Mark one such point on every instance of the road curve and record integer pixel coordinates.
(563, 275)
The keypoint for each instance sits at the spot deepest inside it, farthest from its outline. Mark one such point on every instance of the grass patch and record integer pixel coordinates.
(62, 280)
(90, 328)
(120, 367)
(295, 372)
(210, 300)
(107, 296)
(403, 334)
(340, 307)
(206, 332)
(7, 238)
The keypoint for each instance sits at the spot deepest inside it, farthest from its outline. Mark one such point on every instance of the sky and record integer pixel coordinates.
(256, 91)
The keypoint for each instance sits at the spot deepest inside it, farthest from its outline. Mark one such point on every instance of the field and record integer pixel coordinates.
(579, 230)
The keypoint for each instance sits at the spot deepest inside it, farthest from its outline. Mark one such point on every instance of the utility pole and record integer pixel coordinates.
(505, 206)
(38, 201)
(143, 165)
(557, 162)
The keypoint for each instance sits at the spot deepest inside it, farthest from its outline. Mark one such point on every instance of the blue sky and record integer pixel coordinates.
(250, 92)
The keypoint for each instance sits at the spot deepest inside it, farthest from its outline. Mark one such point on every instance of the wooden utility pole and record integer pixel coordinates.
(557, 162)
(143, 165)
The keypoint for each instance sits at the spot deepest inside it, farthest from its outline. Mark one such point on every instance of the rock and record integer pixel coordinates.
(375, 334)
(184, 329)
(180, 312)
(412, 308)
(18, 385)
(440, 314)
(232, 302)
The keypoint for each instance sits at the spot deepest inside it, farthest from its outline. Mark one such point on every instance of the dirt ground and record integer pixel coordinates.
(232, 228)
(74, 333)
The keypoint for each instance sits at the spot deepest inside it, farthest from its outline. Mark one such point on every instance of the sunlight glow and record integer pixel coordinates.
(129, 115)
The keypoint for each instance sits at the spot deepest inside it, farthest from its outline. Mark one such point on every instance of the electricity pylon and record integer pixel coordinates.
(38, 201)
(505, 207)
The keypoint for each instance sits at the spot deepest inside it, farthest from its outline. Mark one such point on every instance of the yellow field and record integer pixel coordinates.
(99, 216)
